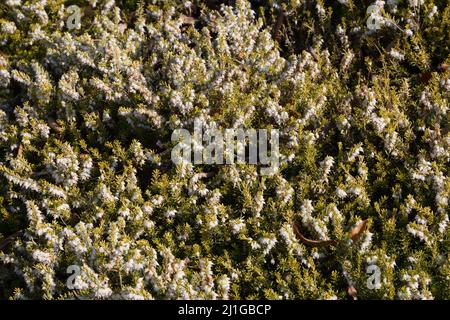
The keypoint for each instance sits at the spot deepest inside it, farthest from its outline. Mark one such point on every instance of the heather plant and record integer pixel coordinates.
(92, 205)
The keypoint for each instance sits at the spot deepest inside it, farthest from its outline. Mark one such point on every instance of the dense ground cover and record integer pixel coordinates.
(86, 177)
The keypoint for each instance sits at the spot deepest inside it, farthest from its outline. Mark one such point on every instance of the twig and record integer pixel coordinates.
(313, 243)
(354, 234)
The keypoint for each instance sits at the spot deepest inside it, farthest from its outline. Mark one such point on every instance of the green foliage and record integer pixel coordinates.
(86, 117)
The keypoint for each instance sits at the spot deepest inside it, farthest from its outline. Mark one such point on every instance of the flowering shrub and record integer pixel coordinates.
(86, 177)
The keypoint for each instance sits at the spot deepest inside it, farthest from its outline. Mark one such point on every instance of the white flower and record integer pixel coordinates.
(103, 292)
(237, 225)
(326, 165)
(433, 11)
(320, 10)
(367, 241)
(42, 257)
(443, 224)
(268, 243)
(13, 3)
(341, 193)
(355, 153)
(158, 200)
(223, 284)
(415, 3)
(390, 140)
(8, 27)
(4, 78)
(409, 32)
(170, 213)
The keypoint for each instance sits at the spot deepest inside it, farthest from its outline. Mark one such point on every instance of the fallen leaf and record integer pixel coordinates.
(358, 230)
(351, 291)
(442, 67)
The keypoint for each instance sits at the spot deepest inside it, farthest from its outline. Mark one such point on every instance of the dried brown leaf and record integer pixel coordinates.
(312, 243)
(351, 291)
(358, 230)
